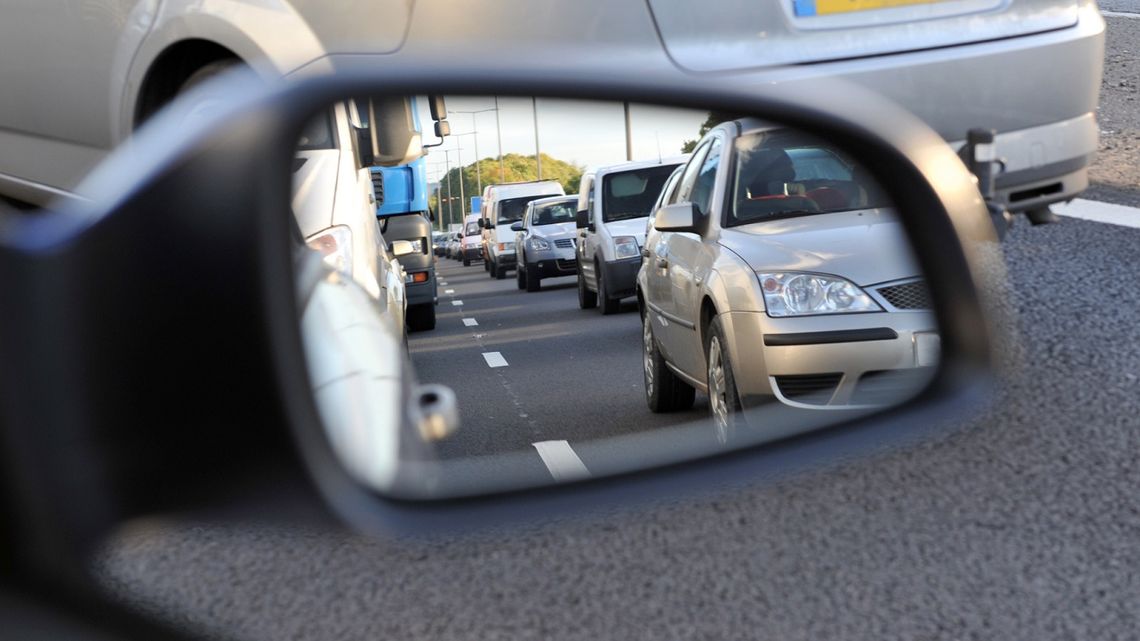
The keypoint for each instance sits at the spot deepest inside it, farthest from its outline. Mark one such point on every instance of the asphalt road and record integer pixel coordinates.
(1022, 524)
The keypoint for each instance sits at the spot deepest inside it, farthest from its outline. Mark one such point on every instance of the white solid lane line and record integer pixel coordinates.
(494, 359)
(470, 322)
(1120, 14)
(457, 303)
(562, 461)
(1100, 212)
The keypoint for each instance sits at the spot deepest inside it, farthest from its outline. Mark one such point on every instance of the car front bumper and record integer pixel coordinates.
(621, 277)
(831, 362)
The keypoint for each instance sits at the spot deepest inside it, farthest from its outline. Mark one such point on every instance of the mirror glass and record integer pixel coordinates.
(783, 298)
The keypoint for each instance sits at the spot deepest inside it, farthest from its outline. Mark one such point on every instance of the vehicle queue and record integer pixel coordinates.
(712, 245)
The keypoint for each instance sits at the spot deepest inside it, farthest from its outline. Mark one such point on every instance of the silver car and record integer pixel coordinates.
(544, 241)
(776, 272)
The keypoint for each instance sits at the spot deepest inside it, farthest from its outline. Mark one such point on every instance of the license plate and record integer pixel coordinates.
(927, 349)
(807, 8)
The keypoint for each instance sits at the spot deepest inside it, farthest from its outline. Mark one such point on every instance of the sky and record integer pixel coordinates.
(586, 133)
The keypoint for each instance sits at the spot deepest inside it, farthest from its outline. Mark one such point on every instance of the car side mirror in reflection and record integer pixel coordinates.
(678, 217)
(518, 226)
(582, 219)
(402, 248)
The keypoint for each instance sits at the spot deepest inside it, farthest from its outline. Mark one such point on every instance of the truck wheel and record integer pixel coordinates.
(421, 318)
(586, 298)
(605, 303)
(533, 282)
(664, 391)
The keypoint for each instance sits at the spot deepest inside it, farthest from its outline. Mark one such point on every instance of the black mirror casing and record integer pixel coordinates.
(233, 247)
(582, 219)
(517, 226)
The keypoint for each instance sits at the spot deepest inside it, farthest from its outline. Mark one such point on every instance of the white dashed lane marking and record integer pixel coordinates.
(457, 303)
(449, 291)
(494, 359)
(562, 461)
(470, 322)
(1100, 212)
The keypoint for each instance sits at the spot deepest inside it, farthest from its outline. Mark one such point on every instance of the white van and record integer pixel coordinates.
(502, 206)
(334, 204)
(470, 243)
(613, 204)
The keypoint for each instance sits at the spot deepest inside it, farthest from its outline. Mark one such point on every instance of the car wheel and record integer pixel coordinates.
(605, 303)
(466, 262)
(586, 298)
(533, 282)
(500, 272)
(520, 278)
(486, 264)
(421, 318)
(724, 402)
(664, 391)
(492, 268)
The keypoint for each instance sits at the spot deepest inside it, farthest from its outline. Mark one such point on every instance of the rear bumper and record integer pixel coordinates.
(473, 253)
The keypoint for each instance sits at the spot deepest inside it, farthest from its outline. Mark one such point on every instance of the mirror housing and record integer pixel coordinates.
(438, 107)
(678, 217)
(393, 145)
(582, 219)
(402, 248)
(517, 226)
(442, 129)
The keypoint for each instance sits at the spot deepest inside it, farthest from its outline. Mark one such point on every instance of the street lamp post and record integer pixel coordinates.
(478, 174)
(474, 129)
(537, 152)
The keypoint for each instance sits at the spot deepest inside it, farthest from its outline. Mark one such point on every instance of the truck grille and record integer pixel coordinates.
(378, 187)
(816, 389)
(912, 295)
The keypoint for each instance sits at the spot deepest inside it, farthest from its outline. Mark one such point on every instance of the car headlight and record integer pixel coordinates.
(538, 243)
(506, 248)
(800, 294)
(625, 247)
(335, 246)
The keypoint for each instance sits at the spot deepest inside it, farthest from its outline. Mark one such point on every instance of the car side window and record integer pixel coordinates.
(666, 195)
(681, 195)
(701, 195)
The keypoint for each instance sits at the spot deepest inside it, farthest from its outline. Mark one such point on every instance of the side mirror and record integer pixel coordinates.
(364, 154)
(582, 219)
(679, 217)
(442, 129)
(402, 248)
(438, 107)
(517, 226)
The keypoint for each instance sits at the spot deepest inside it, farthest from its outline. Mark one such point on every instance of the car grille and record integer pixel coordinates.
(912, 295)
(889, 386)
(815, 389)
(566, 265)
(564, 243)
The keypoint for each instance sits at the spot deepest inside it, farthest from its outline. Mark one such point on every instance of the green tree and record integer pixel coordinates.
(518, 168)
(714, 119)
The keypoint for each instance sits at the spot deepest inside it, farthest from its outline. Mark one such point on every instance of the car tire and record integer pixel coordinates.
(724, 401)
(466, 262)
(533, 282)
(499, 272)
(664, 390)
(486, 264)
(520, 278)
(586, 298)
(421, 318)
(606, 304)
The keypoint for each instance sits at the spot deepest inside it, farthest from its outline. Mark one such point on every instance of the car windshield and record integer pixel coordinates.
(317, 134)
(512, 209)
(559, 212)
(472, 228)
(781, 174)
(631, 194)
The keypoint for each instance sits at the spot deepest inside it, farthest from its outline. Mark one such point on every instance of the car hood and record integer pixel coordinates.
(630, 227)
(314, 189)
(866, 247)
(555, 231)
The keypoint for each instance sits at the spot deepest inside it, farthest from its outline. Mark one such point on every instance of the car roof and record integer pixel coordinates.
(554, 199)
(641, 164)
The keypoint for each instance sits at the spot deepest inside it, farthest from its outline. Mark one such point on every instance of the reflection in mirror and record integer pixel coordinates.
(754, 283)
